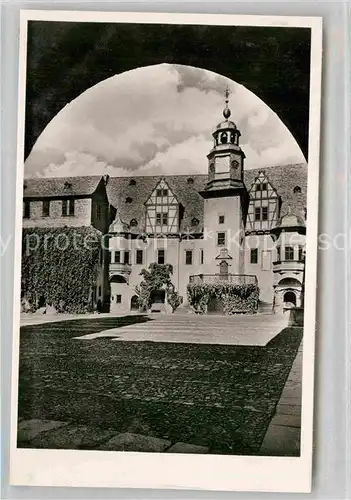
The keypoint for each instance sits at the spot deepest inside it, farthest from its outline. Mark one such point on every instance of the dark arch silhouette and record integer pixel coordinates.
(66, 58)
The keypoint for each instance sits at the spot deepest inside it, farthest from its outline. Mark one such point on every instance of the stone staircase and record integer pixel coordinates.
(265, 307)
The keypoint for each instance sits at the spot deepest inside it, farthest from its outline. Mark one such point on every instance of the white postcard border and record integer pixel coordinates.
(34, 467)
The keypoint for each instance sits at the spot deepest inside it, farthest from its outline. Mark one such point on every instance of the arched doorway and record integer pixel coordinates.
(134, 303)
(214, 305)
(289, 299)
(120, 292)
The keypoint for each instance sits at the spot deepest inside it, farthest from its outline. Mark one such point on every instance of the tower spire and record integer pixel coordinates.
(226, 111)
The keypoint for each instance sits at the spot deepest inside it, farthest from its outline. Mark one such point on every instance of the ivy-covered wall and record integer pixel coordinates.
(60, 268)
(234, 298)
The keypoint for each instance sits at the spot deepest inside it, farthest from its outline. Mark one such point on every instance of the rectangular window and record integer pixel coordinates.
(119, 299)
(264, 186)
(258, 187)
(264, 213)
(99, 291)
(46, 208)
(117, 257)
(301, 253)
(67, 207)
(254, 256)
(278, 254)
(159, 192)
(139, 257)
(201, 256)
(126, 256)
(164, 219)
(257, 213)
(160, 256)
(188, 257)
(26, 210)
(266, 260)
(289, 253)
(165, 192)
(64, 208)
(158, 219)
(221, 219)
(220, 239)
(98, 212)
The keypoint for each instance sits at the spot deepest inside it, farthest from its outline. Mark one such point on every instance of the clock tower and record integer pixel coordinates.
(225, 198)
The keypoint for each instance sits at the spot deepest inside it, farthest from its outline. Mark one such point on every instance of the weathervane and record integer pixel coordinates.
(226, 111)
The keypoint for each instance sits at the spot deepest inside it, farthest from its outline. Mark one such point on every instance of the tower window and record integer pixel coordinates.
(26, 209)
(188, 257)
(160, 256)
(289, 253)
(254, 256)
(220, 239)
(139, 258)
(224, 138)
(221, 219)
(46, 208)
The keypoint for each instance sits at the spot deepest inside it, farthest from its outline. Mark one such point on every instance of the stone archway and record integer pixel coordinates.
(289, 299)
(46, 96)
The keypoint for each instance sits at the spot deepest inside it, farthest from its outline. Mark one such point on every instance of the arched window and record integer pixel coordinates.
(224, 138)
(297, 190)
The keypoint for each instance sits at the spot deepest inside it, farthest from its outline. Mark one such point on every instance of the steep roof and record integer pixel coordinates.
(129, 194)
(47, 187)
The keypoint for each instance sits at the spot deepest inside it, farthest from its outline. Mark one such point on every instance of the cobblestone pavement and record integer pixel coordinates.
(284, 432)
(88, 394)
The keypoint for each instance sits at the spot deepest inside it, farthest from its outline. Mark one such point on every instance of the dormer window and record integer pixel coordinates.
(67, 185)
(297, 190)
(132, 182)
(129, 199)
(190, 180)
(194, 221)
(133, 223)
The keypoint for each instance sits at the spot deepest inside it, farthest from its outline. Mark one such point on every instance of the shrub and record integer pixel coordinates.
(60, 267)
(235, 298)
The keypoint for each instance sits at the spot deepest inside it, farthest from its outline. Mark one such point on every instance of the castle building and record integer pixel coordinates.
(232, 224)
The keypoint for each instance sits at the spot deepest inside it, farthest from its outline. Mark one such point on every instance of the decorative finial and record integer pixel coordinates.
(226, 111)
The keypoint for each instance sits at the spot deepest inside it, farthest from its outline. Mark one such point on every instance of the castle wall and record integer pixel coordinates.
(81, 217)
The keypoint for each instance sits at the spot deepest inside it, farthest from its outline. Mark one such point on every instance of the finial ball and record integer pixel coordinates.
(226, 113)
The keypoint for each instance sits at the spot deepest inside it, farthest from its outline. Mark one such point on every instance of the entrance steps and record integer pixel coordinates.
(265, 307)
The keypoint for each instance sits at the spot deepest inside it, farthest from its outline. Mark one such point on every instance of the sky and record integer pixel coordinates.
(157, 120)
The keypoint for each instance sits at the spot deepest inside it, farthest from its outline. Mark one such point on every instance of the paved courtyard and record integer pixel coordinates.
(255, 329)
(147, 392)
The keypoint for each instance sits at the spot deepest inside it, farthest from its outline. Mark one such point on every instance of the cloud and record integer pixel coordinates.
(157, 119)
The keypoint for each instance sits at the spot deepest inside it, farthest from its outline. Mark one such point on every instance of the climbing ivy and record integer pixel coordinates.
(235, 298)
(60, 267)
